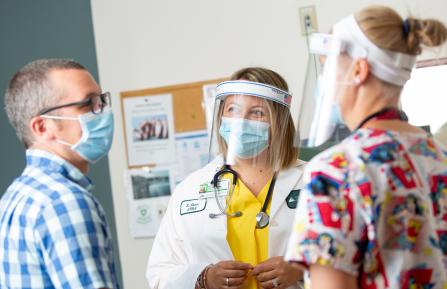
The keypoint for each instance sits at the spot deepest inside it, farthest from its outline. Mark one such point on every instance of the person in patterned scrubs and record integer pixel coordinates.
(373, 212)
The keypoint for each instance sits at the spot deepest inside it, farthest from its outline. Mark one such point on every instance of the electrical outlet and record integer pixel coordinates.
(308, 20)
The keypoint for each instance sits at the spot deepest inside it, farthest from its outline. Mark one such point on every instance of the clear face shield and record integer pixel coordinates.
(249, 127)
(329, 74)
(246, 116)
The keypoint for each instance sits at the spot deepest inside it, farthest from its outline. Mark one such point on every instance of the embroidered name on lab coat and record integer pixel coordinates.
(192, 206)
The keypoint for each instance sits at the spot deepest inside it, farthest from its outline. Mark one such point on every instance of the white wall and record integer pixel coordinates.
(151, 43)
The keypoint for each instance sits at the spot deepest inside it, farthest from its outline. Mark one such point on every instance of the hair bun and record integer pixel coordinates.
(428, 32)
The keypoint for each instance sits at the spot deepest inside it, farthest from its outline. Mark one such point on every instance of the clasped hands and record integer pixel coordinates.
(272, 273)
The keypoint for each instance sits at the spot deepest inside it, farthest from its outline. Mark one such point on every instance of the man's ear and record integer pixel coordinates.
(40, 128)
(361, 71)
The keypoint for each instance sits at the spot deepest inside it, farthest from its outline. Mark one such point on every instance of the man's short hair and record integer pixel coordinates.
(30, 91)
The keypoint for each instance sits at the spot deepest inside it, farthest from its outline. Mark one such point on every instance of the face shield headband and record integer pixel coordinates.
(243, 87)
(389, 66)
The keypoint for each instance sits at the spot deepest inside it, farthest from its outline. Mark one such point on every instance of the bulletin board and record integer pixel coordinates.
(187, 105)
(158, 161)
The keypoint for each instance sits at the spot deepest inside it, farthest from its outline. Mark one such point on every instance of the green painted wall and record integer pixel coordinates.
(46, 29)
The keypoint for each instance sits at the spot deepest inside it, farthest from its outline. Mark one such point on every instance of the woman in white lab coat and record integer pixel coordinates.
(227, 224)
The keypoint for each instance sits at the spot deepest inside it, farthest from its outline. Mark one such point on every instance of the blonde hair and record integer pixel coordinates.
(385, 28)
(281, 151)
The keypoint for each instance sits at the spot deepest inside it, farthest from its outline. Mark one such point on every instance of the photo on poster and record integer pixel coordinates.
(149, 128)
(148, 191)
(151, 185)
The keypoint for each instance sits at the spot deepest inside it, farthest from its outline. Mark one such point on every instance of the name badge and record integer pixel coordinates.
(192, 206)
(207, 190)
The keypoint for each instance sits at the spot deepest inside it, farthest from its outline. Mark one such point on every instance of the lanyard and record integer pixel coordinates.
(388, 113)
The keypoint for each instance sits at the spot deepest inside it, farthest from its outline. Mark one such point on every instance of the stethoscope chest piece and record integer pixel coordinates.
(262, 220)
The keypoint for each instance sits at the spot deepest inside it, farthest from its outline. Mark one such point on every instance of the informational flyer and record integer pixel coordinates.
(192, 153)
(209, 97)
(149, 190)
(149, 126)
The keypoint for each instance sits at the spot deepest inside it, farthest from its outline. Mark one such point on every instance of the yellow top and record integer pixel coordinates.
(248, 244)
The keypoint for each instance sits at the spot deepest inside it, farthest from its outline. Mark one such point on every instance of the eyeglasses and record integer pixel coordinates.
(96, 103)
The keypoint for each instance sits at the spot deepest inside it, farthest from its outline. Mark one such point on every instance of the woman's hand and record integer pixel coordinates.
(227, 275)
(277, 273)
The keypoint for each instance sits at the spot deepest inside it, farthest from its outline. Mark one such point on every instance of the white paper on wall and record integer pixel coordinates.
(192, 153)
(148, 191)
(209, 96)
(149, 123)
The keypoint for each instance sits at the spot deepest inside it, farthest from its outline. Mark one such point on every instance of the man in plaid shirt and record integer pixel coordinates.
(53, 232)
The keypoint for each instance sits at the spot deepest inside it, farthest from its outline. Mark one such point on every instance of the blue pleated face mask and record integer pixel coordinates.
(97, 134)
(336, 117)
(245, 138)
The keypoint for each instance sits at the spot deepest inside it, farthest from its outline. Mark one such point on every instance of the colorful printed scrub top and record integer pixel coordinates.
(376, 207)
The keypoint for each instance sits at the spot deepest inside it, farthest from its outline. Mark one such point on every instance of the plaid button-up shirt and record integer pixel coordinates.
(53, 232)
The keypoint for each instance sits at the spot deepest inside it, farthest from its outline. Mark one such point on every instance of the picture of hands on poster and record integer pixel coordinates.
(148, 128)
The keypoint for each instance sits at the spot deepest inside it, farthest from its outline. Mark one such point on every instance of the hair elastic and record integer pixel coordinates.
(406, 27)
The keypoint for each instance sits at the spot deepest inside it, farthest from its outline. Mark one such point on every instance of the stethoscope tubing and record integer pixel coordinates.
(223, 211)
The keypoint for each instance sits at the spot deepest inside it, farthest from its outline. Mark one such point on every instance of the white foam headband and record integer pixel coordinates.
(262, 90)
(390, 66)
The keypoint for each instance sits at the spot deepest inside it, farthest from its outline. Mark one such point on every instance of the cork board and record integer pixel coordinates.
(189, 114)
(184, 103)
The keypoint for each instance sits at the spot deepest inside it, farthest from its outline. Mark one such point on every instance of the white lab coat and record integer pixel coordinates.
(186, 243)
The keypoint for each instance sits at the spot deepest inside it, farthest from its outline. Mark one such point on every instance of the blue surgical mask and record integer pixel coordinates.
(97, 134)
(336, 117)
(245, 138)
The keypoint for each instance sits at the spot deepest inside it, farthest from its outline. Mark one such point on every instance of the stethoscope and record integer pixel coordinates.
(262, 218)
